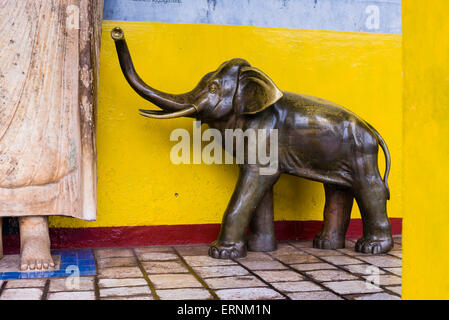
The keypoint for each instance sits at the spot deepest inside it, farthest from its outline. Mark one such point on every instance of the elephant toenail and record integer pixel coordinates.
(224, 254)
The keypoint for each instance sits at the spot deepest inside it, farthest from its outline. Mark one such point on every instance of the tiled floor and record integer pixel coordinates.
(295, 271)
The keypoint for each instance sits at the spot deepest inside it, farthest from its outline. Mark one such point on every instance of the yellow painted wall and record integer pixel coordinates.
(137, 183)
(426, 150)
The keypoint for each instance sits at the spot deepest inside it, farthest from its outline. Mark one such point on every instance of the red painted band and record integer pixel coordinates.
(107, 237)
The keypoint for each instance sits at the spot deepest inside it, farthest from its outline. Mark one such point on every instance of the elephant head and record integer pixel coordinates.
(234, 88)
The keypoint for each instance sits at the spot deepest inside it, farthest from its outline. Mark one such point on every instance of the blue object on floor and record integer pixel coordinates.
(72, 263)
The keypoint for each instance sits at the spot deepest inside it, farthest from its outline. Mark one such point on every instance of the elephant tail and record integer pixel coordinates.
(384, 147)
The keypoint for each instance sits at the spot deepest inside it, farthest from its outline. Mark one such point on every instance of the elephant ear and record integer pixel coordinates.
(255, 92)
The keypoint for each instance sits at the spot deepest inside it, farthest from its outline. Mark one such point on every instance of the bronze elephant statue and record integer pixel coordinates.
(317, 140)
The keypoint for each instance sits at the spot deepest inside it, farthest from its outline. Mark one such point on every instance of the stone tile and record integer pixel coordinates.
(116, 262)
(341, 260)
(111, 283)
(278, 276)
(396, 270)
(378, 296)
(157, 256)
(125, 291)
(120, 272)
(284, 245)
(22, 294)
(312, 266)
(387, 280)
(395, 289)
(173, 281)
(158, 267)
(298, 258)
(256, 256)
(140, 250)
(234, 282)
(349, 251)
(220, 271)
(71, 284)
(284, 249)
(248, 294)
(113, 253)
(397, 239)
(321, 252)
(302, 243)
(203, 261)
(363, 269)
(263, 265)
(73, 295)
(349, 244)
(381, 260)
(397, 254)
(397, 246)
(298, 286)
(24, 283)
(129, 298)
(198, 250)
(184, 294)
(349, 287)
(320, 295)
(330, 275)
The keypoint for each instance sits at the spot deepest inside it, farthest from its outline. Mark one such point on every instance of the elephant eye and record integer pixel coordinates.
(213, 88)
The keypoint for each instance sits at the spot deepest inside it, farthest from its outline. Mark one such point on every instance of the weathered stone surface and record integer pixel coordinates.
(47, 96)
(125, 291)
(184, 294)
(172, 281)
(198, 261)
(220, 271)
(298, 286)
(330, 275)
(120, 272)
(71, 284)
(234, 282)
(157, 267)
(277, 276)
(349, 287)
(22, 294)
(25, 283)
(323, 295)
(263, 265)
(113, 253)
(111, 283)
(312, 266)
(249, 294)
(74, 295)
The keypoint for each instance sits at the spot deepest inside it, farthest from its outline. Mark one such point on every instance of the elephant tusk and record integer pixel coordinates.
(157, 114)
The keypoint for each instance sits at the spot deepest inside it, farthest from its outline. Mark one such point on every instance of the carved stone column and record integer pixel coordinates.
(49, 61)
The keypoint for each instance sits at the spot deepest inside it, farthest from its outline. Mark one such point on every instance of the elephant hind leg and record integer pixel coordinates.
(262, 236)
(337, 212)
(371, 196)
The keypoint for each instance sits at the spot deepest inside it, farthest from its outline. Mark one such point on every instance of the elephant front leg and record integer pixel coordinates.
(337, 212)
(262, 237)
(251, 188)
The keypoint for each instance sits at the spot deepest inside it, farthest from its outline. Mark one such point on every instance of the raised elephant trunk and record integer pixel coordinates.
(175, 104)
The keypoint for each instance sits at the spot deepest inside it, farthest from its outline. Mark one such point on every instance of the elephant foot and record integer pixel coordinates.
(262, 242)
(374, 245)
(227, 250)
(328, 242)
